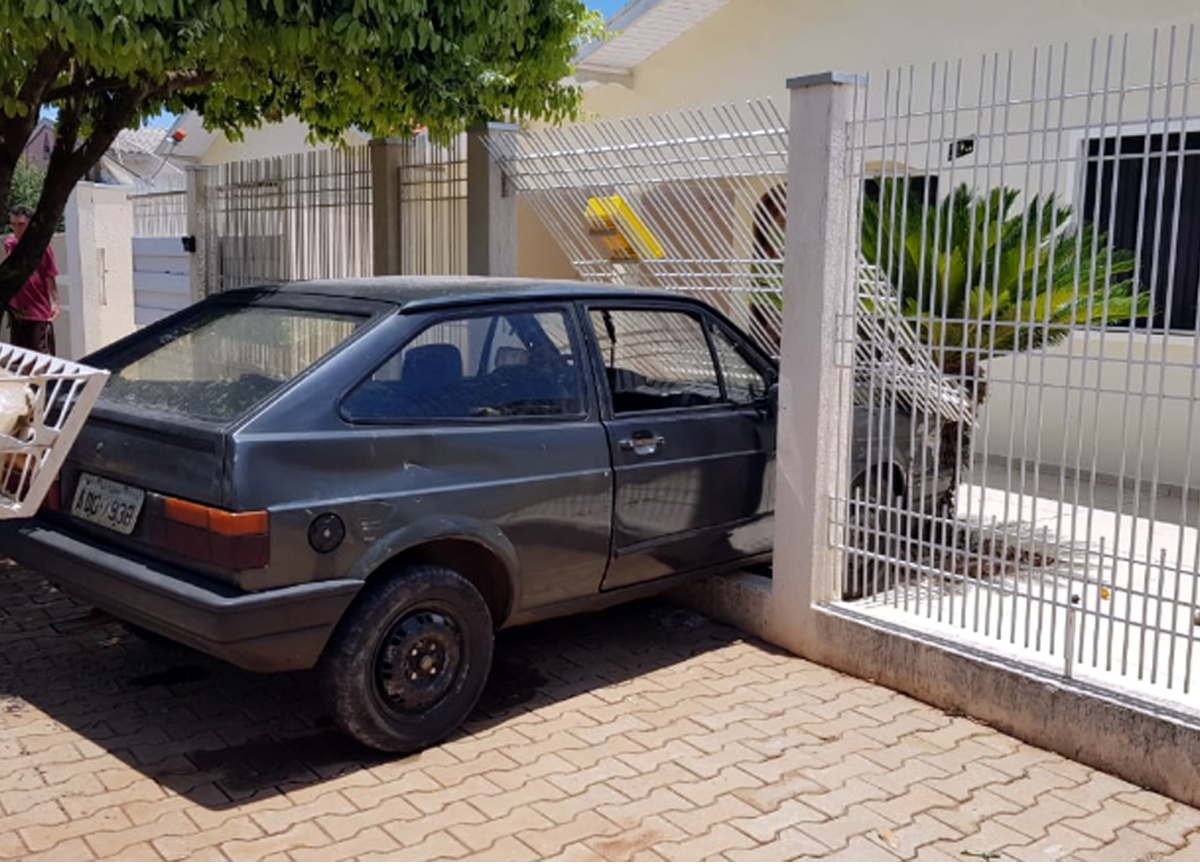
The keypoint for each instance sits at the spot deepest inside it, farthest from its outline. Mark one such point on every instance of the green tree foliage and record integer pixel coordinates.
(26, 186)
(385, 66)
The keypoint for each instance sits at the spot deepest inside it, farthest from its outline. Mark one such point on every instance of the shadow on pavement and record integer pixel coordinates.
(223, 737)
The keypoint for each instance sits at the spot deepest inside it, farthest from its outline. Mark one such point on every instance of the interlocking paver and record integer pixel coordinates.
(836, 801)
(559, 835)
(1026, 790)
(565, 808)
(432, 802)
(1175, 827)
(370, 841)
(1188, 853)
(722, 810)
(705, 791)
(914, 801)
(862, 849)
(718, 840)
(184, 847)
(631, 843)
(367, 793)
(644, 733)
(923, 830)
(41, 837)
(1129, 844)
(482, 836)
(106, 843)
(630, 814)
(1059, 843)
(373, 844)
(341, 826)
(607, 770)
(1103, 823)
(767, 827)
(788, 845)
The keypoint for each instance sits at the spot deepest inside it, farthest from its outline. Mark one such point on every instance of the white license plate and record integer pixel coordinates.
(107, 503)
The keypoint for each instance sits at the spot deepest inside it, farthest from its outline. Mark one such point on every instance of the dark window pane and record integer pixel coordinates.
(655, 359)
(514, 365)
(743, 383)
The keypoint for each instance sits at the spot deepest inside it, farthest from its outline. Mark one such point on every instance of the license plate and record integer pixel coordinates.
(107, 503)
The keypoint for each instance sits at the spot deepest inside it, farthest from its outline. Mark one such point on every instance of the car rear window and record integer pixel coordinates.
(223, 361)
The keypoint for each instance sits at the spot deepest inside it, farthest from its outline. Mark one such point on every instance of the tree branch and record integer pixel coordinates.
(174, 81)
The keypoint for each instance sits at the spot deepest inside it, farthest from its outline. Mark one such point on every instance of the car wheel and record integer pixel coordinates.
(409, 659)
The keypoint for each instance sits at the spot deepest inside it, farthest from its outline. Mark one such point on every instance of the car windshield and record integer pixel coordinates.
(218, 364)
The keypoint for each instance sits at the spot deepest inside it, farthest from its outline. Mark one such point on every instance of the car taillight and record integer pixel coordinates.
(228, 539)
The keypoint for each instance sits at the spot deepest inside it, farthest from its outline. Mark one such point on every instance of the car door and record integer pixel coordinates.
(482, 419)
(692, 446)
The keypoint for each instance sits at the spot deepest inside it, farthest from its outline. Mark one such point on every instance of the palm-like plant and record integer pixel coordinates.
(977, 280)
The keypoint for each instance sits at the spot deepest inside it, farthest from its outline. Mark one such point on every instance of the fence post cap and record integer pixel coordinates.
(801, 81)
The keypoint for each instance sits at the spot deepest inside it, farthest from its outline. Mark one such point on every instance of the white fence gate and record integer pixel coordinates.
(161, 264)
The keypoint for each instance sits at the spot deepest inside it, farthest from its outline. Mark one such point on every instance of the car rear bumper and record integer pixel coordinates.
(272, 630)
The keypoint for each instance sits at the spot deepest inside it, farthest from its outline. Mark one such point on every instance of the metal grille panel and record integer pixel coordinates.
(692, 201)
(1031, 221)
(295, 217)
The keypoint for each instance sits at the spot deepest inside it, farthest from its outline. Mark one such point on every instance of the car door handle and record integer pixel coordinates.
(642, 443)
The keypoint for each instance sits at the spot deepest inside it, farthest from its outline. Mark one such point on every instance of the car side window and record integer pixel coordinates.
(743, 382)
(507, 365)
(655, 359)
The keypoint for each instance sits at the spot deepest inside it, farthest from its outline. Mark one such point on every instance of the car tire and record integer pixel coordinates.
(409, 660)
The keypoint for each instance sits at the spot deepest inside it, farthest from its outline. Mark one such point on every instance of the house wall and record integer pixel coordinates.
(750, 48)
(271, 139)
(37, 149)
(1119, 404)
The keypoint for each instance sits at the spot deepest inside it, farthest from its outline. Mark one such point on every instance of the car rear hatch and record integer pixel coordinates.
(150, 471)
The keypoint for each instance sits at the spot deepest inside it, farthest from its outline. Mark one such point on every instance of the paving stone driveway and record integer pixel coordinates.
(643, 733)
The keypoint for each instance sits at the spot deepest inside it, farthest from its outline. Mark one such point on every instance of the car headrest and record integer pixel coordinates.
(432, 364)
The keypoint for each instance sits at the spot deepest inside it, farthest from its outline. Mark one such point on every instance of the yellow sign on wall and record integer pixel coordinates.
(626, 236)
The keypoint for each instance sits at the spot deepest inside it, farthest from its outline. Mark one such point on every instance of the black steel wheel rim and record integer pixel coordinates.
(418, 661)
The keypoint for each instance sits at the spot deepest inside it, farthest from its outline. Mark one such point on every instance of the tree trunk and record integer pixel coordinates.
(68, 164)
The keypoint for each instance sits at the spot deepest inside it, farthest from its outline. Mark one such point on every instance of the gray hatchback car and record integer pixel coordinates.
(369, 477)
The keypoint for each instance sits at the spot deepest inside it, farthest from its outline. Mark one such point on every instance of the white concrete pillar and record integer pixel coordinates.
(491, 209)
(99, 222)
(814, 391)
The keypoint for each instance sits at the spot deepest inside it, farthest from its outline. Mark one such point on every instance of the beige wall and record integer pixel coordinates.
(750, 48)
(1093, 399)
(271, 139)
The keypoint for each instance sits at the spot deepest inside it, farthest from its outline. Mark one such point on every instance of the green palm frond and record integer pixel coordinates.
(978, 278)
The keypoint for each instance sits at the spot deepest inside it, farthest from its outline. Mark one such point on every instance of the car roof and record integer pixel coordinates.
(415, 293)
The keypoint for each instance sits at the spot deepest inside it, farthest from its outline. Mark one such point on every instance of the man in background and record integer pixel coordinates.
(35, 307)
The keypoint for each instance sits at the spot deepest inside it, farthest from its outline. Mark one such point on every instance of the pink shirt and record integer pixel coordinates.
(33, 302)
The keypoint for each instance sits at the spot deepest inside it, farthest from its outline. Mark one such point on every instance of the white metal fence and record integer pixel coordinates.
(294, 217)
(433, 207)
(1035, 221)
(159, 213)
(691, 201)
